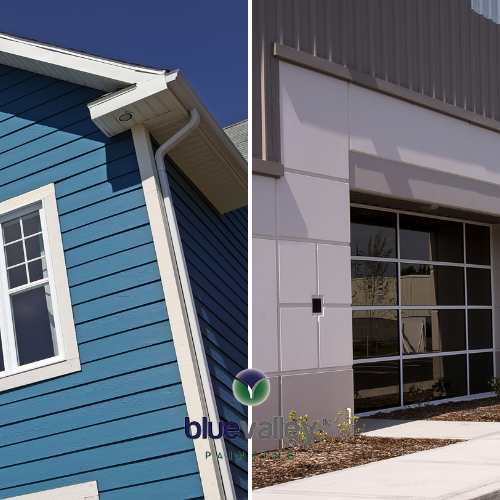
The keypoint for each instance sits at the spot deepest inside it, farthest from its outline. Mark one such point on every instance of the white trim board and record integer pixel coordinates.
(82, 491)
(186, 358)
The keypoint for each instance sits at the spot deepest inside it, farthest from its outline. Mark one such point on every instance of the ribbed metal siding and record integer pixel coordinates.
(439, 48)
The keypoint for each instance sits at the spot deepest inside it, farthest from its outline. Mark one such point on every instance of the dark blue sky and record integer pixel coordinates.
(206, 40)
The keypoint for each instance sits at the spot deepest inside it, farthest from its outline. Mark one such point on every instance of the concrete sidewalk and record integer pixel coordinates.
(463, 471)
(427, 428)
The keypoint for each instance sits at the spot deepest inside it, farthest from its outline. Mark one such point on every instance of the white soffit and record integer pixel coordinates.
(155, 97)
(207, 156)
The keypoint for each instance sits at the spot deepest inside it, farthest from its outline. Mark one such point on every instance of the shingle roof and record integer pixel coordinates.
(238, 133)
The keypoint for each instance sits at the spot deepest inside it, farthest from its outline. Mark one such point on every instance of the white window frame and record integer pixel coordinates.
(81, 491)
(67, 359)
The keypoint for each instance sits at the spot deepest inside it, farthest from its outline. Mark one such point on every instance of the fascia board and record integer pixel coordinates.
(189, 99)
(78, 61)
(109, 103)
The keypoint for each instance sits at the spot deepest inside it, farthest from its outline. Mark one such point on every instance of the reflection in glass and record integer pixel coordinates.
(31, 224)
(33, 325)
(478, 287)
(477, 241)
(14, 253)
(375, 333)
(17, 276)
(376, 385)
(480, 371)
(373, 233)
(432, 330)
(374, 283)
(439, 376)
(424, 238)
(11, 231)
(480, 328)
(431, 285)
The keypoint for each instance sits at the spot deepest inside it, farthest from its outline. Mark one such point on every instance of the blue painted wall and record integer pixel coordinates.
(216, 252)
(120, 420)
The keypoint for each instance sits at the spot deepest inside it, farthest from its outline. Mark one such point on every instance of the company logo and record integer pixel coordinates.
(251, 387)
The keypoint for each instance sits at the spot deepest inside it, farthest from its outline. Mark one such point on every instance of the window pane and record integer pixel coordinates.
(374, 283)
(34, 247)
(376, 386)
(480, 328)
(432, 331)
(17, 276)
(14, 253)
(423, 238)
(37, 269)
(477, 240)
(439, 376)
(31, 224)
(480, 371)
(375, 333)
(430, 285)
(33, 324)
(478, 287)
(11, 231)
(373, 233)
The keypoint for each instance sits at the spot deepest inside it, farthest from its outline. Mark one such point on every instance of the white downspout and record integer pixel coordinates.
(188, 296)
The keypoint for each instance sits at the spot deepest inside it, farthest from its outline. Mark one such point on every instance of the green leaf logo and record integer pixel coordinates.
(251, 387)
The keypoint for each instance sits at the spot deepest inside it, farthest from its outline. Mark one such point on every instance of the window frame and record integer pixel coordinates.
(67, 360)
(399, 307)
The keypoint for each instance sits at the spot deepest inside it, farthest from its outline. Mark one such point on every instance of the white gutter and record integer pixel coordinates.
(188, 296)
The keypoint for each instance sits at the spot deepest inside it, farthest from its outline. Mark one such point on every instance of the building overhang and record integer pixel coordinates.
(158, 98)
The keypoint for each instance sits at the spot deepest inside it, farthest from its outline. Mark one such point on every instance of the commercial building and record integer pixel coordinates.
(376, 202)
(122, 281)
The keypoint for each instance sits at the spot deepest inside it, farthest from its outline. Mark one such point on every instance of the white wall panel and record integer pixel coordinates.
(314, 122)
(265, 306)
(297, 275)
(391, 128)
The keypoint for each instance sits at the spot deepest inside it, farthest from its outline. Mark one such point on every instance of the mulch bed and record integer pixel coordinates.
(476, 410)
(335, 454)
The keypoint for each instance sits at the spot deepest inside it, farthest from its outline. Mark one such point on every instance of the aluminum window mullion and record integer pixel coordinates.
(400, 324)
(418, 214)
(399, 307)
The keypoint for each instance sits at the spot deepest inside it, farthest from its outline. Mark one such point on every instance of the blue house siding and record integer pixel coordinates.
(120, 420)
(215, 248)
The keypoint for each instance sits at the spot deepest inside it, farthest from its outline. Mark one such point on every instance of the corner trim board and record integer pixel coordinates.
(179, 323)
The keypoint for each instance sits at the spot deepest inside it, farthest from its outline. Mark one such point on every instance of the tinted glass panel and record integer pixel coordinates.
(432, 330)
(423, 238)
(373, 233)
(376, 385)
(480, 329)
(11, 231)
(375, 333)
(17, 276)
(477, 240)
(33, 324)
(480, 371)
(478, 287)
(14, 253)
(430, 285)
(374, 283)
(439, 376)
(31, 224)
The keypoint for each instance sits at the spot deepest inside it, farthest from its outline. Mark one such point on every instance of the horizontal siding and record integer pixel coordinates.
(215, 248)
(120, 420)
